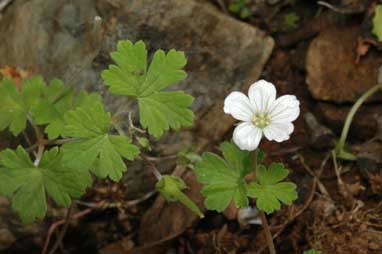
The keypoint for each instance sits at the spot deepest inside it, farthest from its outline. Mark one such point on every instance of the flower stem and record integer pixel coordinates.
(268, 234)
(40, 152)
(255, 159)
(152, 168)
(263, 218)
(345, 131)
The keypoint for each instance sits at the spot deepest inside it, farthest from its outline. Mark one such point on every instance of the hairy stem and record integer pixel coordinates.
(39, 134)
(132, 127)
(40, 152)
(59, 141)
(40, 141)
(153, 169)
(63, 231)
(268, 234)
(263, 218)
(350, 116)
(76, 216)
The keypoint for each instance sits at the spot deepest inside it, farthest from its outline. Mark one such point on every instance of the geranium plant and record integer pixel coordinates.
(70, 138)
(260, 114)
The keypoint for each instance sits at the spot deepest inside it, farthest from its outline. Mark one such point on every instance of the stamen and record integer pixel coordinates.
(261, 119)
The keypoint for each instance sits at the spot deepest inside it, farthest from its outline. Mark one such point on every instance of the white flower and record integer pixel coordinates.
(261, 114)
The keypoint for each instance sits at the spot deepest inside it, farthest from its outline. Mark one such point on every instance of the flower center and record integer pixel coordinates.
(261, 119)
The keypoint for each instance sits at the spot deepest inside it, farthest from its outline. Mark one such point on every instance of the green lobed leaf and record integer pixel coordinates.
(85, 122)
(15, 104)
(55, 101)
(269, 191)
(159, 111)
(377, 22)
(94, 149)
(27, 185)
(126, 77)
(164, 110)
(224, 178)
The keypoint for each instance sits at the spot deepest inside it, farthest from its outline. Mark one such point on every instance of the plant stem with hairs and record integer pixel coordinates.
(340, 147)
(263, 218)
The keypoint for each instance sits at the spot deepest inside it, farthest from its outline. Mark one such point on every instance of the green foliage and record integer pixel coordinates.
(63, 173)
(260, 156)
(27, 184)
(269, 191)
(224, 178)
(55, 101)
(170, 187)
(165, 110)
(89, 146)
(240, 8)
(291, 21)
(39, 103)
(144, 142)
(15, 104)
(94, 149)
(159, 110)
(377, 22)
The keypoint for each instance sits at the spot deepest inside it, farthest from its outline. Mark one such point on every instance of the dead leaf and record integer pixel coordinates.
(16, 74)
(362, 49)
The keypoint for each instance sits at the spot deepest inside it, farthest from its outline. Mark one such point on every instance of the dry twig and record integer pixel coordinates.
(76, 216)
(306, 205)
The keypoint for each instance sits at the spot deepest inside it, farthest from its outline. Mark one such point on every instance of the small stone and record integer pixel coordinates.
(332, 74)
(63, 44)
(374, 246)
(6, 238)
(369, 157)
(320, 136)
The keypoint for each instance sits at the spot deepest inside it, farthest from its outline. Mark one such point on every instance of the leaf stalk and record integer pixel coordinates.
(263, 218)
(340, 147)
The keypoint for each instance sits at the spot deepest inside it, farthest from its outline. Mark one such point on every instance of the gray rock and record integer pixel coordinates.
(223, 53)
(52, 38)
(59, 39)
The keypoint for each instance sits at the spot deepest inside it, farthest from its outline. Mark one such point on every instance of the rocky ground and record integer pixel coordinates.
(327, 57)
